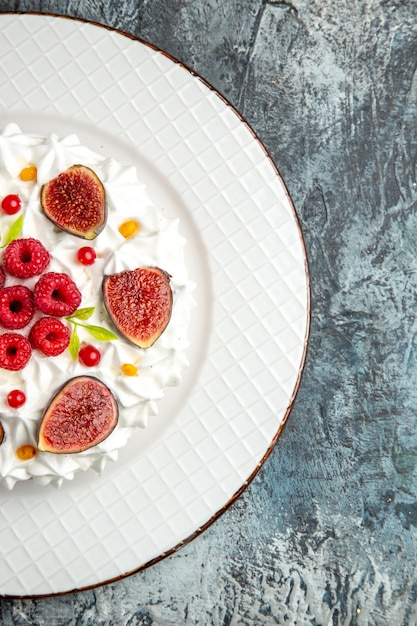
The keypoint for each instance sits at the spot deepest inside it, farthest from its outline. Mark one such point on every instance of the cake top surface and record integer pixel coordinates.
(157, 243)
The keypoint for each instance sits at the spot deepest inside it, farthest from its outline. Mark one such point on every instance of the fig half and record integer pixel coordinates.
(139, 303)
(82, 414)
(75, 201)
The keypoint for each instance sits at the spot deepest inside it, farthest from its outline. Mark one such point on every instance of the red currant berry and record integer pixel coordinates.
(86, 255)
(16, 399)
(11, 204)
(89, 356)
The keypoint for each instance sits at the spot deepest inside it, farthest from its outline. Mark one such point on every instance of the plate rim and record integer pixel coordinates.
(301, 369)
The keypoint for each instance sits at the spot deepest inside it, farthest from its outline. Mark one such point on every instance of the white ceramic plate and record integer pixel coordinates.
(245, 252)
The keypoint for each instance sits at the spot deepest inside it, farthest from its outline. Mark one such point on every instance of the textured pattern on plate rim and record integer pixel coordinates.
(97, 530)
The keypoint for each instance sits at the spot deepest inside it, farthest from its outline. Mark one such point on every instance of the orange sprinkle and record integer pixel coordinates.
(28, 173)
(129, 369)
(129, 228)
(26, 452)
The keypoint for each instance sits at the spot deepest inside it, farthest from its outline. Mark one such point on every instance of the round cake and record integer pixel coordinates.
(95, 303)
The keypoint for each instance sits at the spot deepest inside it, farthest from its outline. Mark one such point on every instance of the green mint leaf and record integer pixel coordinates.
(74, 344)
(14, 231)
(81, 314)
(102, 334)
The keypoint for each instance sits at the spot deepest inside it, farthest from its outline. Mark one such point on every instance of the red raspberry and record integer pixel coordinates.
(50, 336)
(15, 351)
(2, 277)
(57, 294)
(16, 307)
(24, 258)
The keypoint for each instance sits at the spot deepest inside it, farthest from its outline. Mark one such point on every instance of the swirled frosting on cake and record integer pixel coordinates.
(157, 243)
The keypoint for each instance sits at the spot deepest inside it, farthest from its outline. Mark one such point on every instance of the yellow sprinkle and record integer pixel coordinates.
(129, 369)
(26, 452)
(28, 173)
(129, 228)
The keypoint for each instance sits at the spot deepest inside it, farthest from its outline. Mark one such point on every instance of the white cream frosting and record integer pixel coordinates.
(158, 243)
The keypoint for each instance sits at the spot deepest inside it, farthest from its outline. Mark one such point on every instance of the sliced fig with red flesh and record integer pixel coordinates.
(82, 414)
(75, 201)
(139, 303)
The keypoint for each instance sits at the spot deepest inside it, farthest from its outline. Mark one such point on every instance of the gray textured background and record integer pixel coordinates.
(326, 534)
